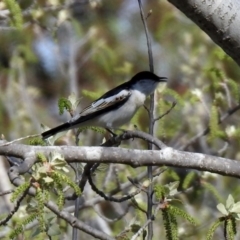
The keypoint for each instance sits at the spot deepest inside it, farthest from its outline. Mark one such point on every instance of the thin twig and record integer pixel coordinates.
(151, 122)
(90, 168)
(141, 229)
(75, 231)
(149, 221)
(108, 177)
(136, 205)
(114, 219)
(148, 111)
(6, 192)
(207, 130)
(136, 184)
(20, 139)
(142, 135)
(110, 198)
(71, 220)
(228, 94)
(223, 149)
(17, 205)
(149, 45)
(126, 185)
(166, 113)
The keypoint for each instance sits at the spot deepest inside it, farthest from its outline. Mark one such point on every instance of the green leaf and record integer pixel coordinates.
(213, 124)
(213, 229)
(36, 232)
(54, 230)
(64, 104)
(172, 186)
(221, 208)
(235, 208)
(15, 13)
(66, 170)
(229, 202)
(57, 160)
(47, 179)
(237, 217)
(42, 170)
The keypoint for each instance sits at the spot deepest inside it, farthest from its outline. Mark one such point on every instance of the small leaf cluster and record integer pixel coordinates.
(169, 215)
(69, 104)
(95, 129)
(41, 198)
(47, 175)
(16, 13)
(169, 212)
(50, 173)
(64, 104)
(170, 189)
(37, 142)
(19, 191)
(20, 228)
(231, 214)
(188, 179)
(170, 224)
(35, 210)
(215, 131)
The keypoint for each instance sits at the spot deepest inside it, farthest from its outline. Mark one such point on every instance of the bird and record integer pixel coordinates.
(114, 108)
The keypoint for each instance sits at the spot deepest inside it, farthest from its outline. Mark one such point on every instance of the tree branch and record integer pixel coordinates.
(218, 19)
(73, 221)
(207, 130)
(133, 157)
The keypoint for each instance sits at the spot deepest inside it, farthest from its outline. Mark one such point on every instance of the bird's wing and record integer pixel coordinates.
(113, 99)
(107, 102)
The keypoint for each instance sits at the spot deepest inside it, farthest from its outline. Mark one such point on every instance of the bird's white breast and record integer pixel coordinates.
(123, 114)
(138, 98)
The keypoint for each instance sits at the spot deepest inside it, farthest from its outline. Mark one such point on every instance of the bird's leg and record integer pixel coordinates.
(110, 131)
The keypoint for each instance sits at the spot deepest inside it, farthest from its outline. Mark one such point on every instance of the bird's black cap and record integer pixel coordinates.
(147, 75)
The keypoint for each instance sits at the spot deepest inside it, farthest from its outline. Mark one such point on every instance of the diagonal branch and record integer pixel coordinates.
(207, 130)
(71, 220)
(133, 157)
(166, 113)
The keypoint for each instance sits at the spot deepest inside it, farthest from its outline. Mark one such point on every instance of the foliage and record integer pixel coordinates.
(165, 195)
(88, 49)
(231, 212)
(64, 103)
(16, 13)
(20, 228)
(48, 175)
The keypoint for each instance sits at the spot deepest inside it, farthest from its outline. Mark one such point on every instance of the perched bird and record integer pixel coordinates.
(116, 107)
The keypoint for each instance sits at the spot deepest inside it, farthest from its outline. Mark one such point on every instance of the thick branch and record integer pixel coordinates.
(136, 158)
(218, 19)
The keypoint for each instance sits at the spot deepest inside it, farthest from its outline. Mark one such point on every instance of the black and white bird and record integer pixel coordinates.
(114, 108)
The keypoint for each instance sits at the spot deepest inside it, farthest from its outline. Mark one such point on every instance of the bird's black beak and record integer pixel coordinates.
(162, 79)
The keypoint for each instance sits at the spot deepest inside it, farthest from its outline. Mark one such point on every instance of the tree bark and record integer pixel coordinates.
(219, 19)
(133, 157)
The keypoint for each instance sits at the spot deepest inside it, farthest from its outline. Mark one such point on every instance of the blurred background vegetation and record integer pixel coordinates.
(52, 48)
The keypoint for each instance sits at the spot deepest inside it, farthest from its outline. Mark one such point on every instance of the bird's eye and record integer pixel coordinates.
(116, 99)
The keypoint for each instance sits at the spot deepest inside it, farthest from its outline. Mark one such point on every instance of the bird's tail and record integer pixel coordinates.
(53, 131)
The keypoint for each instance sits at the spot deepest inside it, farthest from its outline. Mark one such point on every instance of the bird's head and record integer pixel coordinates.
(146, 82)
